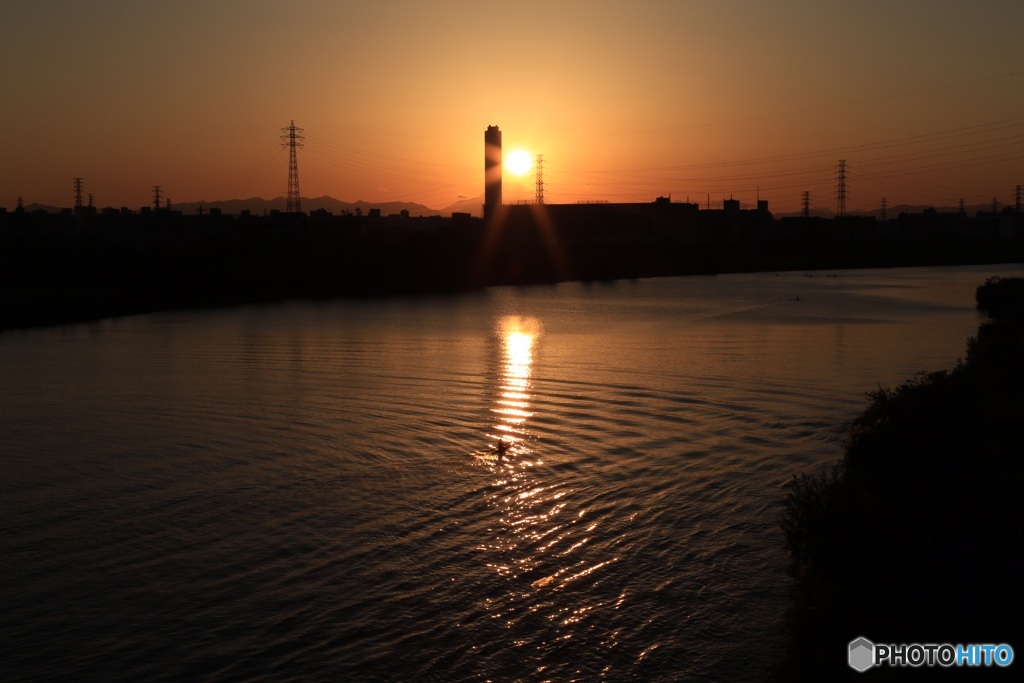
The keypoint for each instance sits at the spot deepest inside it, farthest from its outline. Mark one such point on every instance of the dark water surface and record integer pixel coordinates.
(311, 492)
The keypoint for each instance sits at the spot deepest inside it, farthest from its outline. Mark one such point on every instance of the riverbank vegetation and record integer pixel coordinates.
(914, 536)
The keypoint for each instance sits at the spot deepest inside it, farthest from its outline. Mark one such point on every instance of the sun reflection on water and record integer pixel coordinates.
(538, 537)
(545, 540)
(512, 406)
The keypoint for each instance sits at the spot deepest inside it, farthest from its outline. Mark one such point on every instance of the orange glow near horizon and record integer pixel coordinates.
(758, 101)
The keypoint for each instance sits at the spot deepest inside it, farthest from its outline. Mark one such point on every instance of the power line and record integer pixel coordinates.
(78, 193)
(540, 179)
(292, 139)
(841, 188)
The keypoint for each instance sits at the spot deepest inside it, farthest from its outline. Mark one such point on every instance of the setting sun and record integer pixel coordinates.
(518, 162)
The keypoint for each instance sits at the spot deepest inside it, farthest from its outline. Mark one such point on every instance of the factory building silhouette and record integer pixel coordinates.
(492, 171)
(84, 263)
(604, 223)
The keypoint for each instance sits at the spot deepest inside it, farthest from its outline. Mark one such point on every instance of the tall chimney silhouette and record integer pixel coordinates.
(492, 171)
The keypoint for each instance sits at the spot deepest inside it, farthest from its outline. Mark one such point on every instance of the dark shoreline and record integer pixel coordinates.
(83, 273)
(913, 537)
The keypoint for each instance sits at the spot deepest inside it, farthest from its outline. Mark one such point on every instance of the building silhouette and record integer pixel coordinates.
(492, 171)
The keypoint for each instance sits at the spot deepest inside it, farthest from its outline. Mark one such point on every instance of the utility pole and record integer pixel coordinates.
(1018, 200)
(841, 188)
(806, 201)
(963, 206)
(78, 193)
(156, 197)
(540, 180)
(292, 139)
(885, 205)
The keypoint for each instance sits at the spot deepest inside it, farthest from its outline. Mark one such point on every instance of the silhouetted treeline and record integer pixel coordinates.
(68, 267)
(915, 536)
(1002, 298)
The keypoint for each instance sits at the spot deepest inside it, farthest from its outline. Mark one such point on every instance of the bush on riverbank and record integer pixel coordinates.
(914, 536)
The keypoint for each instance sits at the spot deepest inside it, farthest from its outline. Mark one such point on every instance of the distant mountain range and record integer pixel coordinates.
(470, 205)
(259, 206)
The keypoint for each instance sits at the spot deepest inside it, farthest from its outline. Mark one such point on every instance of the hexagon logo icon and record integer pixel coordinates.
(862, 654)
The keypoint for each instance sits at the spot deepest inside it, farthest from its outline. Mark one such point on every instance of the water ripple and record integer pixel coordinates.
(574, 483)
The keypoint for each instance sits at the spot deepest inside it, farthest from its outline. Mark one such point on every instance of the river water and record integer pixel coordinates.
(311, 491)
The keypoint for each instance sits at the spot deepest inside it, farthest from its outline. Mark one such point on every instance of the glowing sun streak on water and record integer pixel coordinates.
(512, 407)
(532, 534)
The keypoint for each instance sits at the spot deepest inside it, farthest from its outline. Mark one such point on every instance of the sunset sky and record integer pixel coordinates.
(627, 101)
